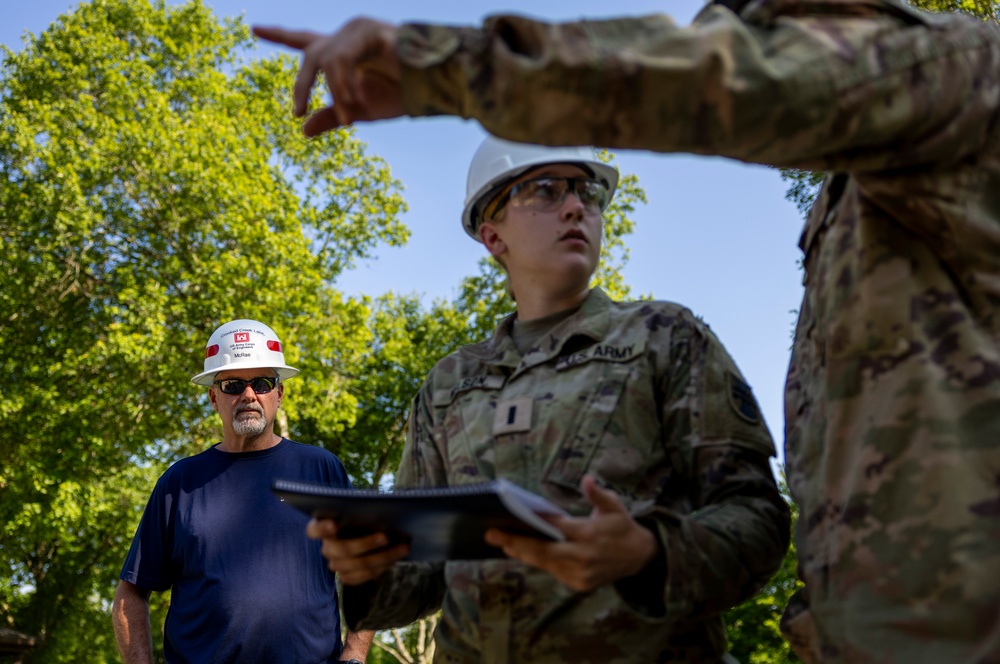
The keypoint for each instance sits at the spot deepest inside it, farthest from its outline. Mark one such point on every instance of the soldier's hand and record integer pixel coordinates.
(361, 68)
(356, 560)
(599, 549)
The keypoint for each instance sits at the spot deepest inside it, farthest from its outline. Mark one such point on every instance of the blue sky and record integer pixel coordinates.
(716, 235)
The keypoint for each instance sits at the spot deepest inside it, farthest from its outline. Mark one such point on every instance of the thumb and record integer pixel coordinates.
(604, 501)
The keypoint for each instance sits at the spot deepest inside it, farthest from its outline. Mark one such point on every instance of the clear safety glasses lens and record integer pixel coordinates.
(550, 191)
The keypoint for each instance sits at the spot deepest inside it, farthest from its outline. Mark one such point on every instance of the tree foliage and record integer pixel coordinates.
(152, 186)
(984, 9)
(410, 645)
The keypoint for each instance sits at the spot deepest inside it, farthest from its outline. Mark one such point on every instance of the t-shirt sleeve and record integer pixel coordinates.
(147, 564)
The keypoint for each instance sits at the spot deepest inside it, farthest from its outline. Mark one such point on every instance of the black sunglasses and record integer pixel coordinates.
(260, 385)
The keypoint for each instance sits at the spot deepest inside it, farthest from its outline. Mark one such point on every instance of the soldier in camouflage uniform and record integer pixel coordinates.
(630, 416)
(892, 431)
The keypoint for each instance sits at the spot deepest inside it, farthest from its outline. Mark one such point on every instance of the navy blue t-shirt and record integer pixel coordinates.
(247, 584)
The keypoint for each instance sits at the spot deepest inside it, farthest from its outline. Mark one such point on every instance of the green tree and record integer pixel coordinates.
(152, 185)
(410, 645)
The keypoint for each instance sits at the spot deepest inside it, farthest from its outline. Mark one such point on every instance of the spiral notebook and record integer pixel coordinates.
(445, 523)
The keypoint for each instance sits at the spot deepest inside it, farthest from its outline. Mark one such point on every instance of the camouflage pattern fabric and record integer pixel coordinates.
(892, 430)
(645, 398)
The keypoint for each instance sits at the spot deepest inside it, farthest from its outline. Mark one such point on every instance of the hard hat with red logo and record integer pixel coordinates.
(243, 344)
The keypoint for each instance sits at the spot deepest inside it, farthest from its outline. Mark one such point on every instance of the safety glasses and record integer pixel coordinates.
(260, 385)
(546, 193)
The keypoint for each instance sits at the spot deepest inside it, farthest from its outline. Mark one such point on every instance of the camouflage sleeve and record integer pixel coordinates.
(409, 591)
(737, 532)
(834, 85)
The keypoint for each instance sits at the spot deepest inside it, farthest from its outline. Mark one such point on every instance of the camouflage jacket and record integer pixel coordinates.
(892, 432)
(640, 395)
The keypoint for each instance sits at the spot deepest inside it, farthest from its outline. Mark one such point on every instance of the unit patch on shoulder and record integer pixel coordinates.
(742, 400)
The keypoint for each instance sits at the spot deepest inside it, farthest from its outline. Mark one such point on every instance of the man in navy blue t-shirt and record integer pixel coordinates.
(246, 584)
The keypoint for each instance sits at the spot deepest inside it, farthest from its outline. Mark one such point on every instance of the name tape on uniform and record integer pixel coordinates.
(446, 395)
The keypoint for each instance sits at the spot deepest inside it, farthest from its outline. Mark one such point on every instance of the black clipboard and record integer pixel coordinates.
(445, 523)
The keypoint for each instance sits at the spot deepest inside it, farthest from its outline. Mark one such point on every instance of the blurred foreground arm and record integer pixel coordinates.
(805, 84)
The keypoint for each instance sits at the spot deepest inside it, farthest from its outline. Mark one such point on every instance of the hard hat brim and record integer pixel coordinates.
(206, 378)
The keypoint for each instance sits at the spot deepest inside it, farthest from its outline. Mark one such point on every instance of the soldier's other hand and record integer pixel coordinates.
(361, 68)
(599, 549)
(356, 560)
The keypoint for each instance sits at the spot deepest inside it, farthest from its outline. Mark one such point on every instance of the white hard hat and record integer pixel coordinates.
(498, 161)
(243, 344)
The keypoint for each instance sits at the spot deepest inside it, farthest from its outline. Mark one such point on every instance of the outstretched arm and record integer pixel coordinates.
(868, 86)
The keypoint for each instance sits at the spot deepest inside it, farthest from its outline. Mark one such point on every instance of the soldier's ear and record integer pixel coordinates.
(491, 239)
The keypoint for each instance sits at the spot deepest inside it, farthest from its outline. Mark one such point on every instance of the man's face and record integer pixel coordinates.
(246, 414)
(554, 242)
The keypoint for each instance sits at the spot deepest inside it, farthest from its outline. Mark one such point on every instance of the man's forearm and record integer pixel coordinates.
(356, 645)
(130, 615)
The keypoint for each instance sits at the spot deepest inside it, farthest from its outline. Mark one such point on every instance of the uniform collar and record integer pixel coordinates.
(591, 321)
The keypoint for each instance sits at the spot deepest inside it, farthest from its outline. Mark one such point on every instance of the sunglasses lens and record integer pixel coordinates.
(232, 386)
(260, 385)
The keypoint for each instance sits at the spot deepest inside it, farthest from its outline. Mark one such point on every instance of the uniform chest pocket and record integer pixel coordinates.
(586, 423)
(466, 414)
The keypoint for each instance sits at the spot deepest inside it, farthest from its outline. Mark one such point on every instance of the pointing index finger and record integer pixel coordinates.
(294, 38)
